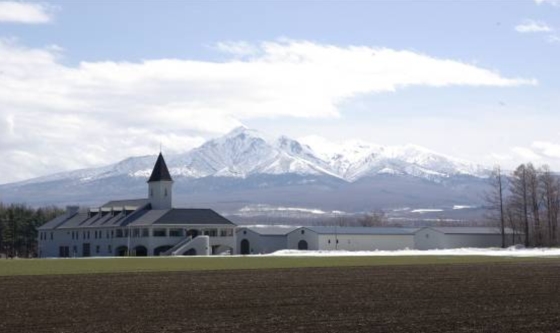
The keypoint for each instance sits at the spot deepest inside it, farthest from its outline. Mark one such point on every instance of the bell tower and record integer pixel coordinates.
(160, 185)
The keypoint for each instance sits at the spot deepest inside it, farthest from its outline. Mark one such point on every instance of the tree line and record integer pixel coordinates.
(18, 228)
(527, 201)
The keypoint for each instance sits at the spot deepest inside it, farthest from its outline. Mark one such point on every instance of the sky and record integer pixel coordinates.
(89, 83)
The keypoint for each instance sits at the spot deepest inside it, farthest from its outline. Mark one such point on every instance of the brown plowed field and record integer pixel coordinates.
(516, 297)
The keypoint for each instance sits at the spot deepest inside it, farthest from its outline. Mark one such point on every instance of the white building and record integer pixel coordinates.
(138, 227)
(458, 237)
(351, 238)
(262, 239)
(268, 239)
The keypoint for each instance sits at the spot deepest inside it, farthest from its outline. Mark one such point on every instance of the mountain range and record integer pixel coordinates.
(246, 168)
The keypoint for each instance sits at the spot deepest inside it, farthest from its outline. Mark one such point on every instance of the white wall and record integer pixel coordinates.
(366, 242)
(260, 243)
(312, 239)
(108, 246)
(427, 239)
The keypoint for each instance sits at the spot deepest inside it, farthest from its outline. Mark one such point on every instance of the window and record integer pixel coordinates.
(97, 249)
(211, 232)
(135, 232)
(120, 233)
(175, 232)
(302, 231)
(151, 192)
(329, 241)
(145, 232)
(160, 232)
(109, 249)
(223, 232)
(88, 235)
(126, 232)
(427, 235)
(112, 233)
(107, 234)
(95, 234)
(51, 236)
(165, 192)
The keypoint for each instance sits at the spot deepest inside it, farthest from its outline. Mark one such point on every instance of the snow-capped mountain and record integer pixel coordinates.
(246, 163)
(244, 152)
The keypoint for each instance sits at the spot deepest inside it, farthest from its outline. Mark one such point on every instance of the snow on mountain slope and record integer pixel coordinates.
(244, 152)
(356, 159)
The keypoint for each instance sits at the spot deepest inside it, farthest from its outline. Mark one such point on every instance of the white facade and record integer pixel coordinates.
(460, 237)
(351, 239)
(160, 194)
(270, 239)
(258, 240)
(135, 241)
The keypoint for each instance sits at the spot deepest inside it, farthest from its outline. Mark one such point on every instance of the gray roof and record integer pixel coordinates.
(160, 171)
(471, 230)
(141, 217)
(57, 221)
(364, 230)
(146, 217)
(129, 202)
(192, 216)
(272, 230)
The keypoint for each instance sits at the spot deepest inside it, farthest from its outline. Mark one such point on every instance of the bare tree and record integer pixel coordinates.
(495, 201)
(519, 198)
(550, 195)
(532, 177)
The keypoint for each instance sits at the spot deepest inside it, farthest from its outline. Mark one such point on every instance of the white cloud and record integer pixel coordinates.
(550, 2)
(530, 26)
(527, 154)
(25, 12)
(61, 117)
(547, 149)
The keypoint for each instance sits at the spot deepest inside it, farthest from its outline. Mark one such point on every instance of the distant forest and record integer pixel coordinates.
(18, 228)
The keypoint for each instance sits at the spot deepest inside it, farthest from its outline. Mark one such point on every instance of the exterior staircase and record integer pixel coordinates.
(200, 246)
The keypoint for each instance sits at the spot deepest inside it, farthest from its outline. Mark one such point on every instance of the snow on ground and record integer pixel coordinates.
(430, 210)
(494, 252)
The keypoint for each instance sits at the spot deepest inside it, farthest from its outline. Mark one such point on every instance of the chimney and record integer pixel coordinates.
(71, 210)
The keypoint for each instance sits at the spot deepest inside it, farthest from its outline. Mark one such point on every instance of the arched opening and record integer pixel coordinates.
(121, 251)
(302, 245)
(245, 247)
(140, 251)
(159, 250)
(190, 252)
(192, 233)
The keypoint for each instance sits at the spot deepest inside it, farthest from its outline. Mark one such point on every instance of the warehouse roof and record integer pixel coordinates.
(471, 230)
(271, 230)
(364, 230)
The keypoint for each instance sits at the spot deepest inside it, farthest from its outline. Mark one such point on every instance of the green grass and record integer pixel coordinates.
(170, 264)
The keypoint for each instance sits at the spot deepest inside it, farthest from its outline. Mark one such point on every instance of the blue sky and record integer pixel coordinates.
(88, 83)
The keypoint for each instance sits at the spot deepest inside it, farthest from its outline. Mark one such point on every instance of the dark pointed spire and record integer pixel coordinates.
(160, 171)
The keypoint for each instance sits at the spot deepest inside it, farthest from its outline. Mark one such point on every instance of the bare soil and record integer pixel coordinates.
(510, 297)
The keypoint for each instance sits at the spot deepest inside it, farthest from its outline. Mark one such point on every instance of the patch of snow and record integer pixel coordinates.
(455, 207)
(513, 251)
(427, 210)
